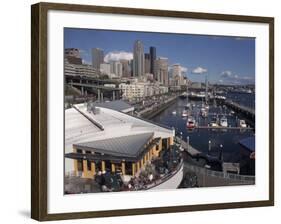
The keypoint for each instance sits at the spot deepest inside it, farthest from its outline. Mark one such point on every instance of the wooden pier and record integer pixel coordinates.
(249, 112)
(188, 148)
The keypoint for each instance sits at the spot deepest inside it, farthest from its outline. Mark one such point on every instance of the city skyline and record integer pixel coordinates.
(225, 60)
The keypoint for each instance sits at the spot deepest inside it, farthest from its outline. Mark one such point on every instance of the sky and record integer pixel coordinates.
(225, 60)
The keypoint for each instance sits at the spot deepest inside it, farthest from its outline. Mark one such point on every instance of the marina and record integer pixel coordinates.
(210, 137)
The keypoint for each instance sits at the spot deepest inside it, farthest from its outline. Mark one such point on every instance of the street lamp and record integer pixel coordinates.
(221, 149)
(210, 146)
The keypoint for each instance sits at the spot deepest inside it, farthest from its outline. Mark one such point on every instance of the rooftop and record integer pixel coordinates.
(129, 146)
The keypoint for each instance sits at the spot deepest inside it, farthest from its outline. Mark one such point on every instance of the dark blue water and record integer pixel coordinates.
(199, 138)
(245, 99)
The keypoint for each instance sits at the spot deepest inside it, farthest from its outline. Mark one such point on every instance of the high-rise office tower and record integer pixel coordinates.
(152, 52)
(162, 70)
(138, 67)
(97, 58)
(147, 63)
(126, 69)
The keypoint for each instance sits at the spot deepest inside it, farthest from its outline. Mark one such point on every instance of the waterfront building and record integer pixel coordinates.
(147, 63)
(162, 70)
(72, 55)
(79, 70)
(133, 90)
(94, 144)
(196, 85)
(152, 52)
(141, 89)
(97, 58)
(138, 63)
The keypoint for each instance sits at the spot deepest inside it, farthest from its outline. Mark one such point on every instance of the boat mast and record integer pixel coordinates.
(206, 90)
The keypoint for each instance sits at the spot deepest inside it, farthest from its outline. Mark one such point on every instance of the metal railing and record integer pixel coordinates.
(204, 171)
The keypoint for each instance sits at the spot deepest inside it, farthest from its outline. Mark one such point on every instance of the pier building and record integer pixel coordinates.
(100, 140)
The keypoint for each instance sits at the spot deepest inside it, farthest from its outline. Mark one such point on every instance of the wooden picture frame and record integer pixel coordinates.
(39, 108)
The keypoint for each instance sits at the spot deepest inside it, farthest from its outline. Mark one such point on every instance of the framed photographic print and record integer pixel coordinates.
(139, 111)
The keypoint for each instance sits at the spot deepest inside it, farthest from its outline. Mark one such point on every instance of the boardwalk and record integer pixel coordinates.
(188, 148)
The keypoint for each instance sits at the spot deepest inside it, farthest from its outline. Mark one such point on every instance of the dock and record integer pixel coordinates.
(188, 148)
(249, 112)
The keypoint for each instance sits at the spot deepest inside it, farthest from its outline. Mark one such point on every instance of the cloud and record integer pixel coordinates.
(226, 74)
(230, 78)
(199, 70)
(118, 55)
(86, 62)
(184, 69)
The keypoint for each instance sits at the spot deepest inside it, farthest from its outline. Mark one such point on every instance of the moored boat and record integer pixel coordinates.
(184, 113)
(242, 123)
(191, 123)
(223, 122)
(214, 122)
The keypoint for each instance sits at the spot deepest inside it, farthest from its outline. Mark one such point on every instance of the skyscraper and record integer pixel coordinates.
(177, 75)
(116, 68)
(162, 70)
(147, 63)
(97, 58)
(126, 69)
(138, 67)
(152, 52)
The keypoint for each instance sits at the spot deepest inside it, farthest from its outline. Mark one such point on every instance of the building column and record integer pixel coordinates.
(150, 152)
(85, 168)
(102, 166)
(75, 165)
(113, 167)
(93, 168)
(113, 95)
(133, 169)
(99, 95)
(75, 161)
(123, 168)
(138, 166)
(171, 140)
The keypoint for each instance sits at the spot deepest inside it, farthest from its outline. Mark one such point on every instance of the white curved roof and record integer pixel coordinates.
(82, 126)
